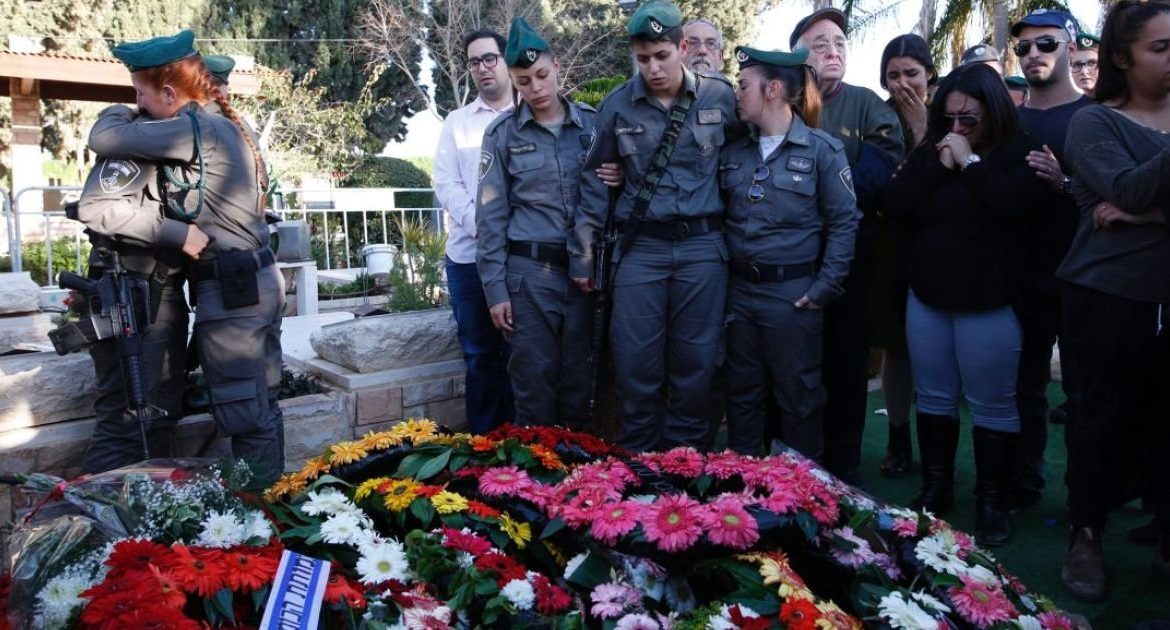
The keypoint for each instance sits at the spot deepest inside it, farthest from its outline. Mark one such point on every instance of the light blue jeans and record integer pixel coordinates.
(971, 354)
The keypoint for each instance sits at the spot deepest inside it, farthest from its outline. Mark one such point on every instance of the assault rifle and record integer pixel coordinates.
(603, 271)
(116, 306)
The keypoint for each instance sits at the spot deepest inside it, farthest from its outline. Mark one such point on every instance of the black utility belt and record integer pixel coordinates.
(235, 271)
(547, 253)
(679, 229)
(755, 272)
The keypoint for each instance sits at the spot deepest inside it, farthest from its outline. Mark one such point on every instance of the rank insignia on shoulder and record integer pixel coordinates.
(846, 176)
(523, 148)
(800, 164)
(710, 116)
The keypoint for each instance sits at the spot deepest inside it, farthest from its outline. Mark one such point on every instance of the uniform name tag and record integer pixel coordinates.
(730, 166)
(297, 592)
(524, 148)
(800, 164)
(710, 116)
(629, 130)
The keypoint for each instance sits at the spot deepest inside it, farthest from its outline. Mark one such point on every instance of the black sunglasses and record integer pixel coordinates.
(1043, 44)
(756, 190)
(966, 121)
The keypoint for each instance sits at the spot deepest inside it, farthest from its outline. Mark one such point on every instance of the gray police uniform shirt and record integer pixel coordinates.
(230, 212)
(630, 125)
(120, 199)
(809, 192)
(529, 187)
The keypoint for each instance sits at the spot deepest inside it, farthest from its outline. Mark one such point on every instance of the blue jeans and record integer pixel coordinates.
(972, 354)
(489, 393)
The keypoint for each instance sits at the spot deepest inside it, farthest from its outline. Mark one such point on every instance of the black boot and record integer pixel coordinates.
(899, 454)
(938, 439)
(995, 452)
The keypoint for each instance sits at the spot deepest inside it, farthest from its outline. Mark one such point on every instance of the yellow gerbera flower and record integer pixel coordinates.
(316, 467)
(448, 502)
(380, 440)
(367, 487)
(520, 533)
(346, 453)
(415, 430)
(282, 487)
(398, 493)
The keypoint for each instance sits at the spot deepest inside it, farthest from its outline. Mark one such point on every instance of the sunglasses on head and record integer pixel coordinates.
(1045, 45)
(756, 190)
(966, 121)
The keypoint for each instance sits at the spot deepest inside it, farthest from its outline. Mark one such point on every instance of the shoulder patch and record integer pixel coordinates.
(846, 176)
(486, 160)
(117, 175)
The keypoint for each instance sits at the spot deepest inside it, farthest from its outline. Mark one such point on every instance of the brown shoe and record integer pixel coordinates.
(1083, 572)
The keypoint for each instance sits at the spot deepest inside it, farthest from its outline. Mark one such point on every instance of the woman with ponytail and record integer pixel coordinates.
(211, 185)
(790, 227)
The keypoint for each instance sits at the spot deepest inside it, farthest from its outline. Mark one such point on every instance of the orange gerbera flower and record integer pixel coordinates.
(481, 444)
(346, 453)
(202, 572)
(247, 572)
(547, 457)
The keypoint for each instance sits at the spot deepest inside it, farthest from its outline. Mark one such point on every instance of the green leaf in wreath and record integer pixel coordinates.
(554, 526)
(703, 484)
(434, 466)
(458, 460)
(861, 518)
(593, 571)
(486, 587)
(410, 465)
(422, 509)
(222, 601)
(946, 580)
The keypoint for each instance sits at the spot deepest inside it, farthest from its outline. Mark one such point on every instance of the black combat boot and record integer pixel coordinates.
(899, 454)
(938, 439)
(995, 453)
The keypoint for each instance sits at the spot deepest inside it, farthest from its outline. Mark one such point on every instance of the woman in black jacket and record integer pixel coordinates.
(964, 195)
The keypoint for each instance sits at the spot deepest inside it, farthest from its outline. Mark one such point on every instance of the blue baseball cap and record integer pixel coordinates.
(1049, 18)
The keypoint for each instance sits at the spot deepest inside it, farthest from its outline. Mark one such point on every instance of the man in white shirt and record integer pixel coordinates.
(457, 167)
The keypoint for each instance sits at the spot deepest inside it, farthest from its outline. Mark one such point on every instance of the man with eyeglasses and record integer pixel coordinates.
(872, 136)
(1083, 62)
(1044, 40)
(704, 51)
(458, 163)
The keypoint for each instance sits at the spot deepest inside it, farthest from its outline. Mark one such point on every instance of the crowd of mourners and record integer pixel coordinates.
(763, 233)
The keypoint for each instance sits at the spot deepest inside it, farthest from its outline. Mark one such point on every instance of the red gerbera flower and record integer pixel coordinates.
(247, 572)
(149, 616)
(743, 622)
(341, 590)
(201, 572)
(136, 555)
(505, 568)
(799, 614)
(550, 598)
(172, 595)
(428, 491)
(136, 584)
(482, 510)
(471, 543)
(100, 610)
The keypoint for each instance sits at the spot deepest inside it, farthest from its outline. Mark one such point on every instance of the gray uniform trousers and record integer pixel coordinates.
(239, 350)
(773, 348)
(552, 322)
(667, 339)
(116, 440)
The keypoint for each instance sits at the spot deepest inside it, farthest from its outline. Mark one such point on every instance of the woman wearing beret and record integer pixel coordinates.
(790, 226)
(212, 194)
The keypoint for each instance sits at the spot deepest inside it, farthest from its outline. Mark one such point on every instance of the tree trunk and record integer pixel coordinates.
(1000, 15)
(926, 18)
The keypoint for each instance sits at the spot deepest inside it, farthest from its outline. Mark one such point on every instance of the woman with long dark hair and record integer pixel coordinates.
(1117, 284)
(786, 187)
(212, 182)
(963, 195)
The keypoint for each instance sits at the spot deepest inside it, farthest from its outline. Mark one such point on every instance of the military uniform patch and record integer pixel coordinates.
(523, 148)
(116, 175)
(800, 164)
(710, 116)
(485, 164)
(846, 176)
(629, 130)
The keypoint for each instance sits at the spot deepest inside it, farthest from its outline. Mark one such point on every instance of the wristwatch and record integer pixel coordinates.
(1066, 185)
(971, 159)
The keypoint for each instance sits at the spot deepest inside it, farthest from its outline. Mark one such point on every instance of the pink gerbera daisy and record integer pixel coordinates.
(673, 522)
(905, 527)
(727, 523)
(981, 604)
(610, 600)
(637, 621)
(684, 461)
(1055, 621)
(726, 465)
(503, 480)
(613, 520)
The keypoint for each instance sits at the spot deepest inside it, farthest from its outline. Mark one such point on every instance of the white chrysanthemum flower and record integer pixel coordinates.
(940, 555)
(464, 560)
(221, 530)
(930, 601)
(326, 501)
(383, 561)
(575, 563)
(899, 612)
(520, 594)
(1028, 622)
(59, 598)
(342, 529)
(258, 526)
(906, 513)
(981, 574)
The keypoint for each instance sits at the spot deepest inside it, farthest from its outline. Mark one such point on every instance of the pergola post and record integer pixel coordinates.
(27, 167)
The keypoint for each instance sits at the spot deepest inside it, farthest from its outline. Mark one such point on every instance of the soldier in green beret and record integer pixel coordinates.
(529, 186)
(666, 126)
(1082, 62)
(1017, 88)
(220, 68)
(791, 221)
(211, 194)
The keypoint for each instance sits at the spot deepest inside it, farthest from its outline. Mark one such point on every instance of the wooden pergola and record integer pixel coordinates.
(27, 78)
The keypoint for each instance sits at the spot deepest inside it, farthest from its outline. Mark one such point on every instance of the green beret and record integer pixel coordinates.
(1088, 41)
(748, 57)
(524, 44)
(1016, 83)
(653, 18)
(220, 66)
(159, 51)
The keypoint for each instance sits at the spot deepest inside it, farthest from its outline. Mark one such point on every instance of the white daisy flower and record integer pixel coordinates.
(326, 501)
(520, 594)
(258, 526)
(1028, 622)
(940, 555)
(899, 612)
(981, 574)
(342, 529)
(930, 601)
(60, 597)
(383, 561)
(221, 530)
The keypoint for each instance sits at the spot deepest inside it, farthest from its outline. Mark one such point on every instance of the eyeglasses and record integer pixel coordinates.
(489, 61)
(756, 190)
(709, 44)
(822, 47)
(1078, 66)
(1043, 44)
(966, 121)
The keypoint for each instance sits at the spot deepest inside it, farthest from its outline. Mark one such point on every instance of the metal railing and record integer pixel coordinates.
(330, 227)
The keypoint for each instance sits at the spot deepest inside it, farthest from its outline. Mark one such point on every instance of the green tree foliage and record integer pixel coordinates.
(950, 35)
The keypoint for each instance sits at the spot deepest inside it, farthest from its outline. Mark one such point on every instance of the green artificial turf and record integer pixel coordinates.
(1040, 537)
